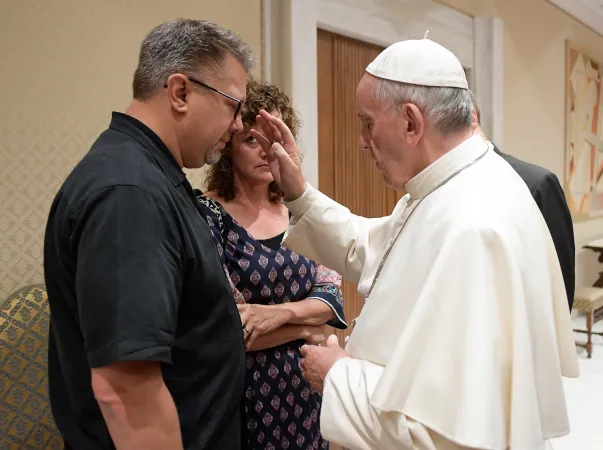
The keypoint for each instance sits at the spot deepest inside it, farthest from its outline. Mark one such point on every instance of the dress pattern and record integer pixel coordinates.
(281, 412)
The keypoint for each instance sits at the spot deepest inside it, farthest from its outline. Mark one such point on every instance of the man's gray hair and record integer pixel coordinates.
(190, 47)
(476, 107)
(450, 109)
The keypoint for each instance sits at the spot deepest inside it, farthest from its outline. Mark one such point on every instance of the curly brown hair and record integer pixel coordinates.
(264, 96)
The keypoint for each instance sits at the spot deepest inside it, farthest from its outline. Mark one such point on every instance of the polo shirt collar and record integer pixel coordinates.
(149, 139)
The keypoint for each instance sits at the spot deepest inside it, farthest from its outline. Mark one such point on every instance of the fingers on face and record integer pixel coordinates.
(277, 125)
(279, 151)
(278, 137)
(264, 123)
(262, 139)
(281, 127)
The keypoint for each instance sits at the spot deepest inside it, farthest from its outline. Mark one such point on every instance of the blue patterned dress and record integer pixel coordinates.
(281, 412)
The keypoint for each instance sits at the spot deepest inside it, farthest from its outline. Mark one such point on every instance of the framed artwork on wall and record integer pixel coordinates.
(583, 183)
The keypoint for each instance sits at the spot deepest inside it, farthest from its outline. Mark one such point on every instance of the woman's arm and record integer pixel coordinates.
(313, 335)
(310, 311)
(324, 303)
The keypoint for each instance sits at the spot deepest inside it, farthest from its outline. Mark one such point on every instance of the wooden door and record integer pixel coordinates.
(346, 174)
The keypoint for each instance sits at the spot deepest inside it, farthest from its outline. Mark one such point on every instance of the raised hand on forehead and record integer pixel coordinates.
(282, 154)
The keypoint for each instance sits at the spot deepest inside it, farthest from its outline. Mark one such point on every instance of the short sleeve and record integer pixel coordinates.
(327, 288)
(128, 277)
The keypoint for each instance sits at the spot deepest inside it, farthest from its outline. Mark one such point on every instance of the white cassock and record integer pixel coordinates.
(466, 334)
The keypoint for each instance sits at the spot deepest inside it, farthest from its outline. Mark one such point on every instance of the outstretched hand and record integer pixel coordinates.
(282, 154)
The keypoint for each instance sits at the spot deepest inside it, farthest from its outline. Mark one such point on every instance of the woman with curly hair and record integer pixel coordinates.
(284, 298)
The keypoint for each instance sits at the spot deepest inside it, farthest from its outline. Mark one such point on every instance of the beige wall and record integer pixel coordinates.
(64, 66)
(534, 91)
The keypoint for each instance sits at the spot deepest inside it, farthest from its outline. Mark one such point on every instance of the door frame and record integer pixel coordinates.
(477, 42)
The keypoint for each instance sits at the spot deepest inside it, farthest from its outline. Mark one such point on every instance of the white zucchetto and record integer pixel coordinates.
(421, 62)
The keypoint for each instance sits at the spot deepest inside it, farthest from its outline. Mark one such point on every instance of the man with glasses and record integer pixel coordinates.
(146, 346)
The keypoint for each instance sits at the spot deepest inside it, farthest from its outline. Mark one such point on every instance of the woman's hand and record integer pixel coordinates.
(314, 334)
(311, 334)
(258, 320)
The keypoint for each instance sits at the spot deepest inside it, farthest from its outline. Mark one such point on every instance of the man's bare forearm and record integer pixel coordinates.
(139, 410)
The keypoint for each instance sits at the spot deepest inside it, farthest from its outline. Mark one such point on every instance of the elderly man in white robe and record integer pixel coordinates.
(465, 332)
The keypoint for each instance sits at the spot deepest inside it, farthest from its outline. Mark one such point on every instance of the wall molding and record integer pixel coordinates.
(488, 75)
(583, 11)
(266, 13)
(383, 22)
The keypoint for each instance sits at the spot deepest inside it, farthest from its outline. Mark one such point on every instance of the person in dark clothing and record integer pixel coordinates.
(146, 347)
(550, 198)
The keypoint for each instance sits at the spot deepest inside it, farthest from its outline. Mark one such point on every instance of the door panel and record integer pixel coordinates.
(346, 174)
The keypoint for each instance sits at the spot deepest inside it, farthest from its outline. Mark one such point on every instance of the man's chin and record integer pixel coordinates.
(213, 156)
(193, 166)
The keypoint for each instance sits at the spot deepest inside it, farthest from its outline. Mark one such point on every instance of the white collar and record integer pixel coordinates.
(438, 171)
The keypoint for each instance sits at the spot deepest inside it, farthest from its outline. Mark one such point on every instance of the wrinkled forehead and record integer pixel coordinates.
(366, 101)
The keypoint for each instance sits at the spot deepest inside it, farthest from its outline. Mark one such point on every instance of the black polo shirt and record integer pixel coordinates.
(133, 274)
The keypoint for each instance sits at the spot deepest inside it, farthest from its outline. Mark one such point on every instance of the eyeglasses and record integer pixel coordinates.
(207, 86)
(239, 102)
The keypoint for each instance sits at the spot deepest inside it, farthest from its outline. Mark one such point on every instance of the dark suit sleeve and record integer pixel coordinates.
(551, 200)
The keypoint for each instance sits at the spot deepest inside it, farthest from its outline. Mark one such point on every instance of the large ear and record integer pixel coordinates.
(476, 125)
(415, 123)
(178, 89)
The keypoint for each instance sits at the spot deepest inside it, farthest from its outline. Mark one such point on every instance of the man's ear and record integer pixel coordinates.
(178, 91)
(415, 125)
